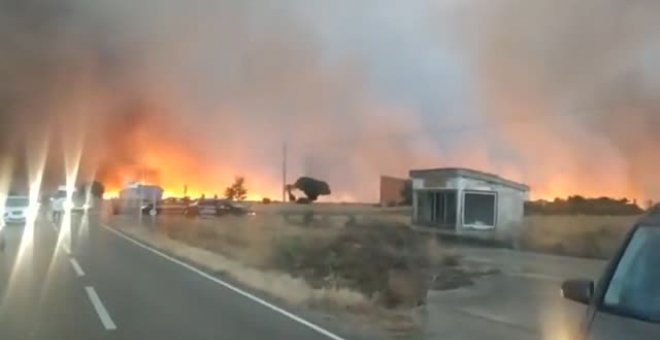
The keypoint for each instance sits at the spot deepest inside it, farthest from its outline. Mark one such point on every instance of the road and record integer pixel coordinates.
(521, 303)
(105, 286)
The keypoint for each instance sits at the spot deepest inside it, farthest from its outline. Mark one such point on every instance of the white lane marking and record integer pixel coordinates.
(229, 286)
(100, 309)
(76, 267)
(497, 318)
(536, 276)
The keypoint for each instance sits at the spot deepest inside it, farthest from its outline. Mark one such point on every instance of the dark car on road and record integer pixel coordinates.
(216, 207)
(169, 206)
(625, 302)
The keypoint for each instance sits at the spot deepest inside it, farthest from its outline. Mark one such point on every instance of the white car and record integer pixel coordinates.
(79, 201)
(16, 209)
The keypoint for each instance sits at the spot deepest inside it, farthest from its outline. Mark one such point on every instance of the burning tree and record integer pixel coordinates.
(237, 191)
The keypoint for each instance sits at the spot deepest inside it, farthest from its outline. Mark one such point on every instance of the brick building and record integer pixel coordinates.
(390, 190)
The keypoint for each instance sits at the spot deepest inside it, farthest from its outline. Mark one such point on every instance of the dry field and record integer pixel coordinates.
(575, 235)
(354, 259)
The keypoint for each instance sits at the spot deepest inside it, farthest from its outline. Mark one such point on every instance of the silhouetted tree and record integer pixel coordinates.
(237, 191)
(407, 193)
(313, 188)
(97, 189)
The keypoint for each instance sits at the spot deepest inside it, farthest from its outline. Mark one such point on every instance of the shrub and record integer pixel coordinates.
(384, 263)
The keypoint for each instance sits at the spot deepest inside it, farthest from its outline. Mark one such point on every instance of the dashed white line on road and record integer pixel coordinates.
(103, 314)
(495, 317)
(76, 267)
(229, 286)
(536, 276)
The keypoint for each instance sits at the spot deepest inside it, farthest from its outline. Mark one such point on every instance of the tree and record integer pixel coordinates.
(313, 188)
(237, 191)
(407, 193)
(97, 189)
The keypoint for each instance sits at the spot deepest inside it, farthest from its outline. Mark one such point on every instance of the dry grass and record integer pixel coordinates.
(250, 239)
(279, 285)
(337, 262)
(331, 208)
(328, 250)
(575, 235)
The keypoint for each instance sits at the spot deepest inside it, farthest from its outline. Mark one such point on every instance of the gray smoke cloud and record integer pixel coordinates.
(572, 87)
(203, 89)
(559, 94)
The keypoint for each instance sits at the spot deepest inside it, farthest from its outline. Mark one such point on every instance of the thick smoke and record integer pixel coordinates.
(195, 93)
(559, 94)
(573, 88)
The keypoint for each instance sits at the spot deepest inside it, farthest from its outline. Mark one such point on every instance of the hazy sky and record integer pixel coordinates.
(542, 92)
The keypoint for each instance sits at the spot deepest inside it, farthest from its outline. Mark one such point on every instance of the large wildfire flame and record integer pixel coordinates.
(180, 174)
(150, 152)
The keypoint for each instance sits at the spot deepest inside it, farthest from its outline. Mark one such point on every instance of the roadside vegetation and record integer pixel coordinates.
(575, 235)
(354, 258)
(384, 261)
(368, 265)
(579, 205)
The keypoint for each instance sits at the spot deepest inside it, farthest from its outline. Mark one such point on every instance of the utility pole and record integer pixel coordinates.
(284, 155)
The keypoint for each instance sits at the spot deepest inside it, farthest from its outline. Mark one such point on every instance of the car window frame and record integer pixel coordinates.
(597, 305)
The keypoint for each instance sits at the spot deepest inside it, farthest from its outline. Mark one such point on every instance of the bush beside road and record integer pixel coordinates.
(363, 263)
(352, 267)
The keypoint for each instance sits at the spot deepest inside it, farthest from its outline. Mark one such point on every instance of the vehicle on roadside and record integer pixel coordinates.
(148, 208)
(168, 206)
(216, 207)
(79, 200)
(16, 210)
(625, 302)
(137, 198)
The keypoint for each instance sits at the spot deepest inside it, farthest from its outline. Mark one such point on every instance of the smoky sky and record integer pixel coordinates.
(578, 81)
(559, 94)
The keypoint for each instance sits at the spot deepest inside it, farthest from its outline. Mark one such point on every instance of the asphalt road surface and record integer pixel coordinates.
(102, 285)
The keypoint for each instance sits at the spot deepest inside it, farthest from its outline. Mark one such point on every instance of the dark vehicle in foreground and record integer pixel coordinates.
(625, 302)
(213, 207)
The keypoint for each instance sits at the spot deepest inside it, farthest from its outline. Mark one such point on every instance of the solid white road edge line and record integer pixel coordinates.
(227, 285)
(106, 320)
(76, 267)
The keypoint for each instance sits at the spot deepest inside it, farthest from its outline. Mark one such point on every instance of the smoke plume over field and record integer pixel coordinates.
(559, 94)
(579, 83)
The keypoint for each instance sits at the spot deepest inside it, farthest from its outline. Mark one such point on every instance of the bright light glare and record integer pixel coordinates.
(23, 266)
(72, 161)
(556, 323)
